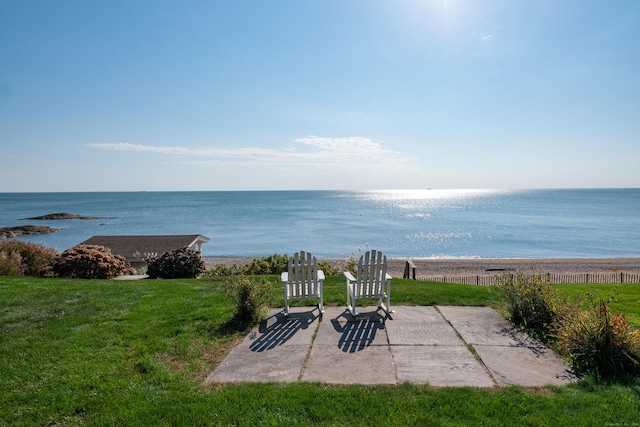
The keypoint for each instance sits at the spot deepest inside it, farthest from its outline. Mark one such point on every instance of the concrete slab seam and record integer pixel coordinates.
(308, 356)
(393, 360)
(471, 349)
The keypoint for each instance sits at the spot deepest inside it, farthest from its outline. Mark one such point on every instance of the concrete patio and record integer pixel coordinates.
(439, 346)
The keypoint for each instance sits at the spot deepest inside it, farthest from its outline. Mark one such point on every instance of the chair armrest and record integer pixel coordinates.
(285, 276)
(349, 276)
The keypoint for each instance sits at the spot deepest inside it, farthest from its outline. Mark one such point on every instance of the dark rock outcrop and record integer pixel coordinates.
(25, 230)
(61, 215)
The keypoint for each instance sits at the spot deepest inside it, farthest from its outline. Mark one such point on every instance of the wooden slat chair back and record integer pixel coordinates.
(371, 281)
(302, 280)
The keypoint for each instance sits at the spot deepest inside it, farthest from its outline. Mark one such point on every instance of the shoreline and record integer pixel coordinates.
(481, 266)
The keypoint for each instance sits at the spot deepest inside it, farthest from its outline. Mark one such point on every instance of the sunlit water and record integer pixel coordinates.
(422, 223)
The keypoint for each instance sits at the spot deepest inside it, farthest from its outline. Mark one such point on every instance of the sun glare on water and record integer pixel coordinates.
(429, 194)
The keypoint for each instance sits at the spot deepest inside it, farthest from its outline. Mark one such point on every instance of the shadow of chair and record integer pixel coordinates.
(281, 330)
(360, 332)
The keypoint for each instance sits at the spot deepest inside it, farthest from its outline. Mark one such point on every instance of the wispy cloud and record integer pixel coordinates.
(350, 146)
(310, 150)
(184, 151)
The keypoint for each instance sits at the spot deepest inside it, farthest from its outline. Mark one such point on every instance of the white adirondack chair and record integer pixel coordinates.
(302, 280)
(372, 282)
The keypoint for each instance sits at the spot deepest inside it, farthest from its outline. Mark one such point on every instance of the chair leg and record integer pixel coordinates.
(352, 310)
(351, 301)
(389, 305)
(386, 306)
(383, 306)
(320, 302)
(352, 305)
(386, 309)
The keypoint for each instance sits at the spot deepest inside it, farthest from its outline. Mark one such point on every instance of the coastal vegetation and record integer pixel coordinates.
(90, 262)
(270, 265)
(19, 258)
(583, 329)
(103, 352)
(273, 264)
(180, 263)
(251, 298)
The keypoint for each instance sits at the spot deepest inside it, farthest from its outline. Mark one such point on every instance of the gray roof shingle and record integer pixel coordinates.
(134, 248)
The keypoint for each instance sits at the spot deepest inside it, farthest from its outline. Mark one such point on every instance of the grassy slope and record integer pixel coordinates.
(77, 352)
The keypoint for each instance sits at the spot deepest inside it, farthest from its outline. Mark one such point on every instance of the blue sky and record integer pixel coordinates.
(318, 94)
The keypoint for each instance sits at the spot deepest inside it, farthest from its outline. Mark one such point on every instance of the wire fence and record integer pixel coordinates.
(492, 280)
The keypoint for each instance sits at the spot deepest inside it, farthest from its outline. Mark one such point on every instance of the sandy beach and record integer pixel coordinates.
(484, 266)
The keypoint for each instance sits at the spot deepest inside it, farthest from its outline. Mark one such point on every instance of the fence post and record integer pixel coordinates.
(409, 270)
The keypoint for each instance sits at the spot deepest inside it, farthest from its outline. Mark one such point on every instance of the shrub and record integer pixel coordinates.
(597, 341)
(33, 259)
(251, 298)
(531, 301)
(351, 264)
(177, 264)
(90, 262)
(221, 270)
(11, 264)
(328, 269)
(274, 264)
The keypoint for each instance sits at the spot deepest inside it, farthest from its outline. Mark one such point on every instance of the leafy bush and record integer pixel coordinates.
(251, 297)
(328, 269)
(222, 270)
(90, 262)
(531, 301)
(274, 264)
(351, 264)
(26, 258)
(177, 264)
(597, 341)
(219, 270)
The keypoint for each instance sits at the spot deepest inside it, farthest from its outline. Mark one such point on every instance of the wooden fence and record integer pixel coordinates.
(491, 280)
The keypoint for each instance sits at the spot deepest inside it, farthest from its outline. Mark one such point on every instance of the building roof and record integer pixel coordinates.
(134, 248)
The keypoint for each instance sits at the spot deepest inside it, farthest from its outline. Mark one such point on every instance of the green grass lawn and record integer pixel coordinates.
(625, 299)
(91, 352)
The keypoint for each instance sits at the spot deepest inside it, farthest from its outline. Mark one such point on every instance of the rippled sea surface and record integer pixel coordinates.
(401, 223)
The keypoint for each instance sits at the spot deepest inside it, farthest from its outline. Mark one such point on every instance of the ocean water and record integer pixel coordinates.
(402, 223)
